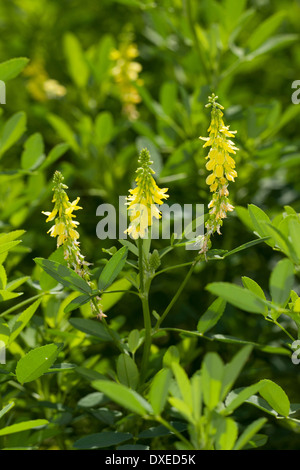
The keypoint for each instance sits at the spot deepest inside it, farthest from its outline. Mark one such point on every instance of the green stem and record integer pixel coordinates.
(170, 268)
(147, 341)
(169, 426)
(25, 302)
(177, 295)
(141, 264)
(144, 290)
(283, 329)
(110, 332)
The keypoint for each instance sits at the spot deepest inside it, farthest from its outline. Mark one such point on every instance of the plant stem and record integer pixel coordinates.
(178, 293)
(171, 428)
(147, 341)
(144, 290)
(141, 264)
(25, 302)
(110, 332)
(283, 329)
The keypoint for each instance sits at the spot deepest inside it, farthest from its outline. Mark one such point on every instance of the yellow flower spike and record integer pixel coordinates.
(221, 164)
(67, 235)
(142, 199)
(126, 74)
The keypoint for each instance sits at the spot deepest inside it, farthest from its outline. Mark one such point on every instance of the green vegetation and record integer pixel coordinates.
(132, 343)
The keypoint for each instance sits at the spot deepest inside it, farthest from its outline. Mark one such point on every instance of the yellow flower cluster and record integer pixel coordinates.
(126, 72)
(64, 229)
(40, 86)
(222, 166)
(143, 198)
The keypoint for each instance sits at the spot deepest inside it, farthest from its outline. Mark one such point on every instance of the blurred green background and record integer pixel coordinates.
(105, 79)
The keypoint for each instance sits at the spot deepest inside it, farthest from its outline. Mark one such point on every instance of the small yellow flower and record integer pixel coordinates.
(143, 198)
(64, 229)
(40, 86)
(222, 165)
(126, 74)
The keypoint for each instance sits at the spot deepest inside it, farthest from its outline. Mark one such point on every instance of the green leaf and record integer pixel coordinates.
(281, 282)
(127, 371)
(274, 43)
(282, 242)
(10, 236)
(6, 409)
(237, 296)
(104, 128)
(47, 282)
(101, 62)
(265, 29)
(64, 131)
(183, 383)
(226, 435)
(159, 389)
(253, 287)
(170, 356)
(182, 408)
(245, 246)
(6, 295)
(233, 369)
(294, 233)
(196, 386)
(112, 268)
(24, 426)
(33, 154)
(275, 396)
(160, 431)
(212, 315)
(12, 68)
(77, 302)
(77, 65)
(20, 321)
(91, 327)
(270, 391)
(168, 97)
(13, 129)
(101, 440)
(134, 340)
(35, 363)
(212, 371)
(64, 275)
(4, 247)
(249, 432)
(55, 154)
(124, 396)
(259, 220)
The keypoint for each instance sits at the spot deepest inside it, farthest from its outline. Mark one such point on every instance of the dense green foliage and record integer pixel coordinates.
(193, 353)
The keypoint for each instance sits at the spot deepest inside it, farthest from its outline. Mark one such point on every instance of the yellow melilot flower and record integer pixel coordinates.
(126, 72)
(222, 166)
(64, 229)
(142, 200)
(40, 85)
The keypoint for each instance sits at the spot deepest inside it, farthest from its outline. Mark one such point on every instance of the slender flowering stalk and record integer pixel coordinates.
(143, 198)
(222, 167)
(64, 229)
